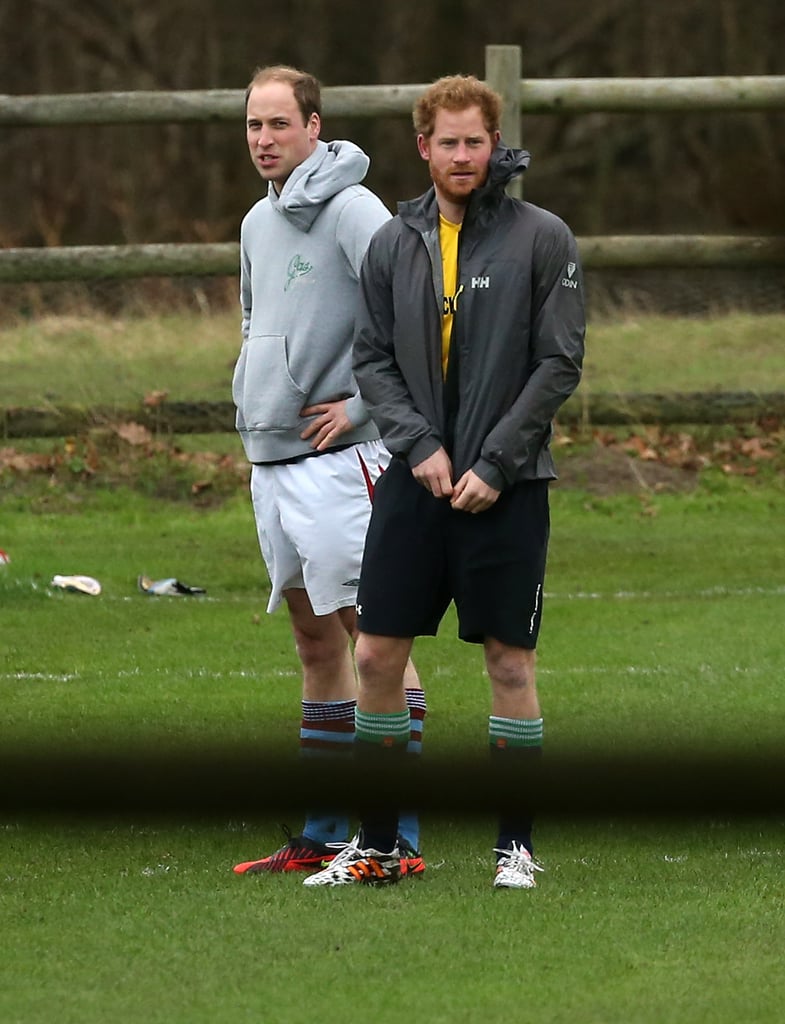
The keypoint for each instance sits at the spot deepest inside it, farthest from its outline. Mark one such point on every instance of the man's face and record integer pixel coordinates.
(458, 152)
(278, 141)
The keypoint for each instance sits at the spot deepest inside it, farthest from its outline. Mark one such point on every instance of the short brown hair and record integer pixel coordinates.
(457, 92)
(307, 90)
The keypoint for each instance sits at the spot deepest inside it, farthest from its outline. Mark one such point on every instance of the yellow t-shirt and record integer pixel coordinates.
(449, 234)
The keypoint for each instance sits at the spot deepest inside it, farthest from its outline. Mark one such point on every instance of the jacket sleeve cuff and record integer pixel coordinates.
(422, 449)
(490, 474)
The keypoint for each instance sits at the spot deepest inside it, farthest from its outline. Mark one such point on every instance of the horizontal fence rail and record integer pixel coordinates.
(537, 96)
(583, 409)
(85, 263)
(532, 96)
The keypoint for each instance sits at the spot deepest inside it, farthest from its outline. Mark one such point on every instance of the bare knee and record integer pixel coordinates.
(320, 644)
(381, 662)
(320, 640)
(512, 674)
(509, 666)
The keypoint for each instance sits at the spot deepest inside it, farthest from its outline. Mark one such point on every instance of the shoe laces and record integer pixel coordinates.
(518, 858)
(346, 852)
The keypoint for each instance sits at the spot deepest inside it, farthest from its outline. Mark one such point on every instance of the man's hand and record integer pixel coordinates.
(435, 474)
(331, 421)
(471, 494)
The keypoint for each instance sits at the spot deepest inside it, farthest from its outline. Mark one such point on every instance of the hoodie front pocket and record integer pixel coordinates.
(263, 389)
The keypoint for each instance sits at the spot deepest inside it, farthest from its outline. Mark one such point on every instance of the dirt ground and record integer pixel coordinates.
(605, 471)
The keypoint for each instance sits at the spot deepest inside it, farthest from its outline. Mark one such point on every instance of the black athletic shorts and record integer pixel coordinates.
(420, 554)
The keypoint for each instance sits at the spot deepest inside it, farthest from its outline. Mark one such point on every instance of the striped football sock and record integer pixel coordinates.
(327, 730)
(408, 821)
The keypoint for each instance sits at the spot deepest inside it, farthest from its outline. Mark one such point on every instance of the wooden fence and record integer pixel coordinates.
(521, 96)
(502, 71)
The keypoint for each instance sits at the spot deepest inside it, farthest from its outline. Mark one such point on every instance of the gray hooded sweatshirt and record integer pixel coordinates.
(300, 258)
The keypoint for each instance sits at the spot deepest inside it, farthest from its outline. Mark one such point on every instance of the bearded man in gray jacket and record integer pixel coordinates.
(469, 338)
(315, 452)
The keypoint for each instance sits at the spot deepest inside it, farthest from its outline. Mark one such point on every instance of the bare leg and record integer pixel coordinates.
(381, 664)
(322, 643)
(514, 697)
(512, 674)
(411, 679)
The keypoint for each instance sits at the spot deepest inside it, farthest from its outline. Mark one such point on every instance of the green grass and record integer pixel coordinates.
(94, 359)
(682, 596)
(644, 923)
(732, 352)
(662, 628)
(662, 633)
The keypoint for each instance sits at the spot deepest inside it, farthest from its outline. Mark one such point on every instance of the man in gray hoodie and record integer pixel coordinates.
(315, 452)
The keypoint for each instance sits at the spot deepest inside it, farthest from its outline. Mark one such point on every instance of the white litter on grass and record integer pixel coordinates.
(78, 584)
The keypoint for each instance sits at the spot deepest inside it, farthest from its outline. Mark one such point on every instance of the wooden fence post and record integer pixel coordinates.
(503, 73)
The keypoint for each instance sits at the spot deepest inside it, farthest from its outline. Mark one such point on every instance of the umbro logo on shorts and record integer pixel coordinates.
(351, 583)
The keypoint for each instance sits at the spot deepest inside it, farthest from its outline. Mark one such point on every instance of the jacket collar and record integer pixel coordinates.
(505, 164)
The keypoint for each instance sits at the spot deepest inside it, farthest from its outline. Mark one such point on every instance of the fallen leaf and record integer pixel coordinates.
(133, 433)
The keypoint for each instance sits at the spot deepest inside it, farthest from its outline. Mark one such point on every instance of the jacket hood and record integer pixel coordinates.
(504, 165)
(332, 167)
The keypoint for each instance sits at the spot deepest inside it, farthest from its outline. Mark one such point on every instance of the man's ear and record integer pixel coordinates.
(314, 126)
(424, 147)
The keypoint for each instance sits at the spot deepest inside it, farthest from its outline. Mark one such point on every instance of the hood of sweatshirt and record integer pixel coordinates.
(332, 167)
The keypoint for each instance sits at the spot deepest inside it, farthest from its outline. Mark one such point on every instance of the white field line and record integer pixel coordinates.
(578, 595)
(636, 671)
(148, 673)
(667, 595)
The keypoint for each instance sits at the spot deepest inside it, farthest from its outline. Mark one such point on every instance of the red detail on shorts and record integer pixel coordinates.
(501, 744)
(368, 481)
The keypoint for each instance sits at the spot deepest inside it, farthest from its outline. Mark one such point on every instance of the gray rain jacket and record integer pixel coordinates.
(517, 341)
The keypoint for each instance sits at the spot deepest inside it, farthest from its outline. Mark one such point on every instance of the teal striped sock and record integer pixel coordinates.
(516, 743)
(383, 730)
(514, 732)
(379, 746)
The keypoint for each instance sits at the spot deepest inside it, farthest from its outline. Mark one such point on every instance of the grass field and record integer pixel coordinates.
(99, 359)
(662, 633)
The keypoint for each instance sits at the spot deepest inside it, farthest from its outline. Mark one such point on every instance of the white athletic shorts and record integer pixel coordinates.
(311, 517)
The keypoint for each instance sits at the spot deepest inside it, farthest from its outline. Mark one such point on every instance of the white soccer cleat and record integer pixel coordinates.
(353, 865)
(515, 869)
(170, 587)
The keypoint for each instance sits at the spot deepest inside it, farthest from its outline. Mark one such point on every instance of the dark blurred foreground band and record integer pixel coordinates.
(221, 784)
